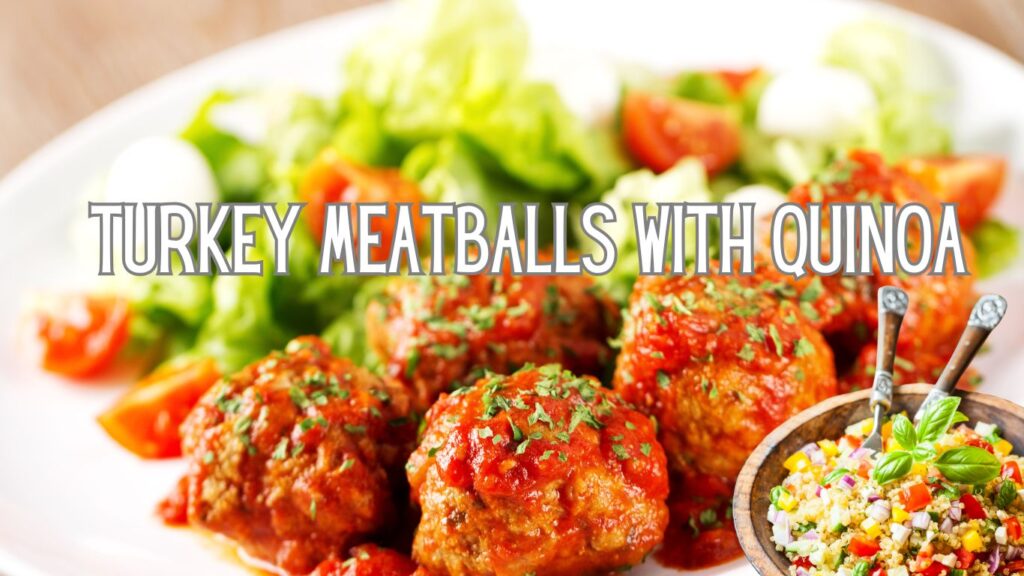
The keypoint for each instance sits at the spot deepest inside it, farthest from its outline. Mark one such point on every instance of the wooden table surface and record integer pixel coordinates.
(61, 60)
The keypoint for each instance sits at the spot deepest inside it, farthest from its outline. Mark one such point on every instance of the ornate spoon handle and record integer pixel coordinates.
(986, 315)
(892, 306)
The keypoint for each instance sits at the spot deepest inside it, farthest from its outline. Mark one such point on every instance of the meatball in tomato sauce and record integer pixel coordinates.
(542, 472)
(290, 458)
(437, 334)
(719, 361)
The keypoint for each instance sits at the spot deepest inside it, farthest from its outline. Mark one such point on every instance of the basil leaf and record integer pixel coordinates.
(834, 475)
(892, 466)
(1007, 494)
(924, 452)
(862, 568)
(937, 419)
(959, 417)
(968, 465)
(903, 431)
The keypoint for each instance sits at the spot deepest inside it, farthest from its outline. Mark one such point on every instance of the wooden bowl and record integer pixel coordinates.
(828, 420)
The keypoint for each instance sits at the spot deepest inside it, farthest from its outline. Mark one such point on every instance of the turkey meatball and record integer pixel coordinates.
(719, 361)
(939, 304)
(437, 334)
(290, 457)
(541, 472)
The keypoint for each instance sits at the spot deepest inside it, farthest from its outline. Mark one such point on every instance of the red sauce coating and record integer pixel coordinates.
(541, 471)
(367, 560)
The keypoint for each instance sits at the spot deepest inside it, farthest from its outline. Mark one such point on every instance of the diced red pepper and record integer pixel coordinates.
(980, 443)
(934, 569)
(972, 507)
(1012, 567)
(863, 547)
(964, 558)
(853, 441)
(878, 572)
(916, 497)
(1012, 471)
(803, 562)
(864, 470)
(1013, 531)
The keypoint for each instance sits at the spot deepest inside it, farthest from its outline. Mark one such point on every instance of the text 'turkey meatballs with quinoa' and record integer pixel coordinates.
(541, 472)
(435, 334)
(290, 458)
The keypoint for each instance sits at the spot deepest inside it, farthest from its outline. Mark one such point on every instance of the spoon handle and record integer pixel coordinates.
(892, 305)
(986, 315)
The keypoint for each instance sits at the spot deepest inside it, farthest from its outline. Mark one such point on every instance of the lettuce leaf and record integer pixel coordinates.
(997, 247)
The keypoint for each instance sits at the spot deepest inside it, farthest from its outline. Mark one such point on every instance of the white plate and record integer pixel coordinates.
(71, 502)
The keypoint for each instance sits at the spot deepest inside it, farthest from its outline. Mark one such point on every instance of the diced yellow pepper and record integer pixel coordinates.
(786, 501)
(829, 448)
(871, 527)
(1003, 447)
(887, 429)
(919, 469)
(797, 462)
(899, 515)
(972, 541)
(866, 425)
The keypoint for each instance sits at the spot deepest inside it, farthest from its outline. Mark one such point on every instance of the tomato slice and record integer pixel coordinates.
(973, 182)
(863, 547)
(660, 131)
(331, 179)
(972, 507)
(82, 335)
(1013, 529)
(147, 419)
(916, 497)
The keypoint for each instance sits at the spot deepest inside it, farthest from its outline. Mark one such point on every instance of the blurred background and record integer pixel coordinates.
(61, 60)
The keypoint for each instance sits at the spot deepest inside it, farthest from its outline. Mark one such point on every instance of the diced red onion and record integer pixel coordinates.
(817, 491)
(773, 514)
(880, 510)
(859, 452)
(847, 482)
(900, 533)
(994, 560)
(921, 520)
(1012, 552)
(954, 512)
(780, 531)
(947, 526)
(801, 572)
(874, 497)
(810, 535)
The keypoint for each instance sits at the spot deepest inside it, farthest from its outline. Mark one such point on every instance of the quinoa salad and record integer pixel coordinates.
(942, 498)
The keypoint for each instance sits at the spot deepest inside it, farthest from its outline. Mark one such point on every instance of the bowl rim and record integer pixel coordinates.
(755, 551)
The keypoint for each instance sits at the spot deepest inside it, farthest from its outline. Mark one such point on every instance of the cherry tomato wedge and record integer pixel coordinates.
(972, 507)
(737, 80)
(916, 497)
(82, 335)
(979, 443)
(934, 569)
(331, 179)
(973, 182)
(1012, 471)
(146, 419)
(863, 547)
(1013, 529)
(659, 131)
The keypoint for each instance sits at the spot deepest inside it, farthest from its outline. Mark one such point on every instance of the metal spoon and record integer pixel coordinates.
(892, 305)
(986, 315)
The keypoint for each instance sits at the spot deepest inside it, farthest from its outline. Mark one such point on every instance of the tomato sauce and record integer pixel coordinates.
(700, 532)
